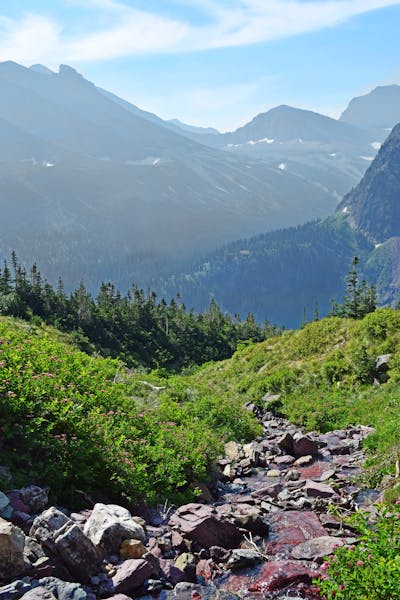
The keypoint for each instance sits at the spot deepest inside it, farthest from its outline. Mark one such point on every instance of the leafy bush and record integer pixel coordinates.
(369, 570)
(70, 421)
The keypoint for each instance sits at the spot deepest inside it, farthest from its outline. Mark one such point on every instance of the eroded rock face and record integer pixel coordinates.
(62, 537)
(202, 525)
(12, 543)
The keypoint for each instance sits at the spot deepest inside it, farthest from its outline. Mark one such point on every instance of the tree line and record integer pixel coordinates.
(137, 327)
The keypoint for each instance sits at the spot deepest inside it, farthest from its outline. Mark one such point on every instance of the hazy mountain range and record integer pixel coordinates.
(94, 188)
(285, 275)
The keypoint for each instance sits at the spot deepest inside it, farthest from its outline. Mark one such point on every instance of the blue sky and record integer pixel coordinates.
(213, 62)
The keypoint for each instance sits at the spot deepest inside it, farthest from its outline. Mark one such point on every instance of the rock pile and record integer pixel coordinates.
(266, 531)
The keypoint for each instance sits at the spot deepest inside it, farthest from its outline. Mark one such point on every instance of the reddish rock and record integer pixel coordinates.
(319, 490)
(208, 569)
(292, 528)
(268, 490)
(172, 573)
(285, 443)
(304, 446)
(131, 575)
(281, 574)
(203, 525)
(335, 444)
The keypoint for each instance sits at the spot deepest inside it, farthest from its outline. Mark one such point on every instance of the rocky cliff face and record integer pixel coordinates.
(374, 205)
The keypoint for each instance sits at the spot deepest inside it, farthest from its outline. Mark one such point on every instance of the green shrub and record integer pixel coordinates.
(369, 570)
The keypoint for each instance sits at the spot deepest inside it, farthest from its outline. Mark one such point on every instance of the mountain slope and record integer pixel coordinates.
(277, 274)
(374, 205)
(329, 153)
(127, 196)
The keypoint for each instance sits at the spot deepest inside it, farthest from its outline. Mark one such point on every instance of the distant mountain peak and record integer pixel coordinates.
(377, 111)
(67, 71)
(38, 68)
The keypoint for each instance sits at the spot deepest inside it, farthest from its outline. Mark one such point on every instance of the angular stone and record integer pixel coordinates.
(253, 522)
(285, 443)
(202, 525)
(61, 537)
(186, 562)
(280, 574)
(243, 558)
(120, 597)
(302, 461)
(316, 548)
(12, 542)
(132, 549)
(269, 490)
(131, 575)
(35, 498)
(234, 451)
(304, 446)
(273, 473)
(292, 528)
(319, 490)
(109, 525)
(63, 590)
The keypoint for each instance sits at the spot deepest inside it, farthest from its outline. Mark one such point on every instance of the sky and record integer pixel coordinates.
(213, 62)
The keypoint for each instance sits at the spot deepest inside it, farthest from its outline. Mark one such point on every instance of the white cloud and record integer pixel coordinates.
(35, 38)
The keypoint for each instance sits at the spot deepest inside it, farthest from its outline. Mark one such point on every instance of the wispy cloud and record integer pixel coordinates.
(133, 31)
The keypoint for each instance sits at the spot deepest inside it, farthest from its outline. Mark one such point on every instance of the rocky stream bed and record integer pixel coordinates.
(261, 532)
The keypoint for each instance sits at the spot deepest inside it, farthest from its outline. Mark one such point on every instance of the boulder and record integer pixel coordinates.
(319, 490)
(12, 542)
(304, 446)
(285, 443)
(109, 525)
(316, 548)
(292, 528)
(35, 498)
(280, 574)
(131, 575)
(64, 590)
(62, 538)
(234, 451)
(204, 526)
(242, 559)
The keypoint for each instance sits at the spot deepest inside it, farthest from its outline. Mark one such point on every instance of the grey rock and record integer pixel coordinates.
(109, 525)
(39, 593)
(35, 498)
(63, 590)
(61, 537)
(12, 542)
(14, 591)
(243, 558)
(317, 548)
